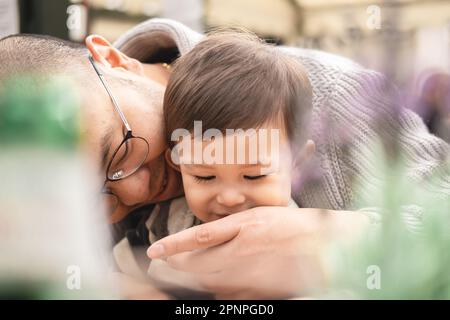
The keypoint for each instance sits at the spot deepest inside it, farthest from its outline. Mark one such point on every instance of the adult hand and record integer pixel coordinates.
(264, 252)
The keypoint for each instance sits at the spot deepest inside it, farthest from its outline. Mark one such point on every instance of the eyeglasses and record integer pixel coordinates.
(128, 157)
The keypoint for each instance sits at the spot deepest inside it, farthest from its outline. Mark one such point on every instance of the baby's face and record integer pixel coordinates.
(214, 191)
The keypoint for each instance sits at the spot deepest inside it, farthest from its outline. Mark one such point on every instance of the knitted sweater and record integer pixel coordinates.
(347, 101)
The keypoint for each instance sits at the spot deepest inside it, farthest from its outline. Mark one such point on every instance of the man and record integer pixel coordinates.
(232, 258)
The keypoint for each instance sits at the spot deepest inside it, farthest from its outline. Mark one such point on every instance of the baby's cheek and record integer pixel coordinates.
(274, 194)
(197, 199)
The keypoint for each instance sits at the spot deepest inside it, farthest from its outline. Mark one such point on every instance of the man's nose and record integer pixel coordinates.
(230, 197)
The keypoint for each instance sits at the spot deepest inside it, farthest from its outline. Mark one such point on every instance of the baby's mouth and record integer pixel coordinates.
(217, 216)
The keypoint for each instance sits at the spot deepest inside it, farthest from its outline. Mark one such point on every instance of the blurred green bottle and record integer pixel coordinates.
(53, 238)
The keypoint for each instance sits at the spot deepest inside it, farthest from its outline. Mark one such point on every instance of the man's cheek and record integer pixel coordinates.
(134, 189)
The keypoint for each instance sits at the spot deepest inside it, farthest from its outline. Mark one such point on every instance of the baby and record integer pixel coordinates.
(236, 113)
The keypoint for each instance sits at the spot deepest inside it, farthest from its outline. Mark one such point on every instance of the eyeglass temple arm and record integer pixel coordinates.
(116, 105)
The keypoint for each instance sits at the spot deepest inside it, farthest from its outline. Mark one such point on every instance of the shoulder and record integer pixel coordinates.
(337, 80)
(323, 67)
(312, 59)
(331, 74)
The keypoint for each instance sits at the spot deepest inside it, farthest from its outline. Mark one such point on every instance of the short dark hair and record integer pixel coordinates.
(39, 55)
(234, 80)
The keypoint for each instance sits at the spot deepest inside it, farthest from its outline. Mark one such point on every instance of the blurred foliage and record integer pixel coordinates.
(39, 112)
(413, 263)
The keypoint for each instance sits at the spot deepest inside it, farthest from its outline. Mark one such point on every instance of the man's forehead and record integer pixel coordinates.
(97, 126)
(106, 142)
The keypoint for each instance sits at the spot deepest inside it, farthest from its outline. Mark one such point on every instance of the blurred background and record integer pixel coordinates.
(409, 40)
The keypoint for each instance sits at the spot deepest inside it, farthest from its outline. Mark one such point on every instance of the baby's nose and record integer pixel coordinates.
(230, 198)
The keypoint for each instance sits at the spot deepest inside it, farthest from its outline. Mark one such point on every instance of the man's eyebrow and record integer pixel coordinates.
(105, 145)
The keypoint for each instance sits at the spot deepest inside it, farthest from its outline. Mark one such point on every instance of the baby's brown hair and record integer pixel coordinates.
(234, 80)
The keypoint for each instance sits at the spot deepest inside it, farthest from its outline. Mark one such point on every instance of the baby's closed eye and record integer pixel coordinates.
(204, 178)
(248, 177)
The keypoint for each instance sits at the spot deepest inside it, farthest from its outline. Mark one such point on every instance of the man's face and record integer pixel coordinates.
(104, 131)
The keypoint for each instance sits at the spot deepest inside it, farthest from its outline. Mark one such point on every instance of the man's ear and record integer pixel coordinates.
(108, 56)
(168, 156)
(305, 154)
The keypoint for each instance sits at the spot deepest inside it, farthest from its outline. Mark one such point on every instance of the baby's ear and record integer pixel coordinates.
(305, 154)
(168, 156)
